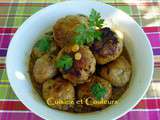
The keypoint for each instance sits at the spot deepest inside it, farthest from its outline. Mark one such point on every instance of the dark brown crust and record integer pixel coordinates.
(107, 49)
(108, 44)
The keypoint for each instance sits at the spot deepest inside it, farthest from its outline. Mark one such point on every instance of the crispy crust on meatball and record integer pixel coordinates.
(118, 72)
(107, 49)
(56, 90)
(64, 29)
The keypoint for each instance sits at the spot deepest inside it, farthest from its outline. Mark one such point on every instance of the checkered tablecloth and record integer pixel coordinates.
(14, 12)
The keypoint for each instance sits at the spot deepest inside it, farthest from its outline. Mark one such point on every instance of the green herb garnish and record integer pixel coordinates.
(98, 91)
(87, 34)
(43, 44)
(95, 19)
(65, 62)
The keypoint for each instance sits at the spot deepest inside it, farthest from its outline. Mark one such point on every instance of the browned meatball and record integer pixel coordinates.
(58, 93)
(109, 48)
(86, 91)
(64, 29)
(44, 68)
(117, 72)
(81, 69)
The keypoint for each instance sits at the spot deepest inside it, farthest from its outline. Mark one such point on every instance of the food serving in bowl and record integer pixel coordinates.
(22, 45)
(80, 60)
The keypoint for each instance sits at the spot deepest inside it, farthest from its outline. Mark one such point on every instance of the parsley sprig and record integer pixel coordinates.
(87, 34)
(43, 44)
(98, 91)
(95, 19)
(65, 62)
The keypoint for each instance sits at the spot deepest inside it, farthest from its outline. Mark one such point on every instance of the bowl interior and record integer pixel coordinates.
(136, 43)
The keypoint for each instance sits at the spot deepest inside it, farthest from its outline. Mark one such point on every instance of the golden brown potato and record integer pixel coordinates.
(58, 93)
(81, 69)
(64, 29)
(85, 92)
(117, 72)
(44, 68)
(109, 48)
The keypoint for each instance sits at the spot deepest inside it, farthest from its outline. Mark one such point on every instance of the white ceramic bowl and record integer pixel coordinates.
(25, 37)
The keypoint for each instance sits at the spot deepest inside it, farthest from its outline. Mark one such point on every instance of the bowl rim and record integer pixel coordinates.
(63, 3)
